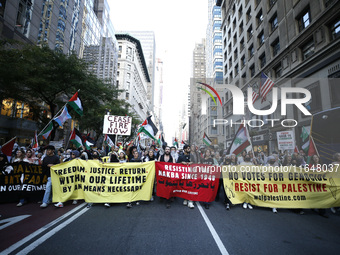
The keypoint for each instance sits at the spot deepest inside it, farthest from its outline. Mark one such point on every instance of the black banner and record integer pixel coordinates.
(22, 181)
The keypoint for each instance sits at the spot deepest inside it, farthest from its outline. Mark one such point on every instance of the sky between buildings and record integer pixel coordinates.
(177, 25)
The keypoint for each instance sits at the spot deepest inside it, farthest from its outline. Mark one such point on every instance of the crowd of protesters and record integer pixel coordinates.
(48, 156)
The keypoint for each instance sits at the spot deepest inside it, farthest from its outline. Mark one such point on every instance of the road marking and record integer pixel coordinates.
(213, 232)
(53, 231)
(39, 231)
(11, 221)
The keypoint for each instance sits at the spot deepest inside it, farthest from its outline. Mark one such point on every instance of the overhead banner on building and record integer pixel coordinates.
(283, 187)
(192, 182)
(102, 182)
(285, 140)
(22, 180)
(117, 125)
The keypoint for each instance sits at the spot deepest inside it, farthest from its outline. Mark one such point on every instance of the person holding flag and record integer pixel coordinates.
(185, 160)
(49, 160)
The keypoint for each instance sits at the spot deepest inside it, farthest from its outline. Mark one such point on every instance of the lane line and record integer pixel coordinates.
(39, 231)
(53, 231)
(213, 232)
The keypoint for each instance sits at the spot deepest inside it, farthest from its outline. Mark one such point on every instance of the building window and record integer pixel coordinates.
(248, 15)
(240, 12)
(251, 51)
(235, 55)
(335, 29)
(278, 71)
(252, 70)
(262, 59)
(273, 22)
(127, 95)
(241, 28)
(235, 39)
(276, 47)
(260, 38)
(308, 49)
(243, 61)
(334, 91)
(314, 105)
(24, 16)
(242, 44)
(271, 3)
(229, 48)
(230, 61)
(236, 70)
(2, 7)
(128, 67)
(250, 32)
(304, 20)
(259, 17)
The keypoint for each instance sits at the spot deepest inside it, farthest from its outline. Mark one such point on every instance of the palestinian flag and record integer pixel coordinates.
(7, 148)
(88, 142)
(240, 142)
(108, 141)
(160, 140)
(312, 149)
(148, 128)
(175, 143)
(75, 103)
(47, 131)
(304, 134)
(305, 146)
(206, 139)
(75, 138)
(35, 144)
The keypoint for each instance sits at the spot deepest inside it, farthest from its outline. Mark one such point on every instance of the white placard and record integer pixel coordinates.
(285, 140)
(117, 125)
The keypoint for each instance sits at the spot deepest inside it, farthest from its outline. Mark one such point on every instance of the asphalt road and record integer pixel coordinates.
(152, 229)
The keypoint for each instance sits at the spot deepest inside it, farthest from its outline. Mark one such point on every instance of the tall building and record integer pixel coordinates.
(73, 26)
(158, 104)
(214, 71)
(197, 121)
(132, 75)
(147, 40)
(283, 39)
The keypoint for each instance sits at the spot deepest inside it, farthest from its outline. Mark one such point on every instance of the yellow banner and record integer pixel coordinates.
(102, 182)
(283, 187)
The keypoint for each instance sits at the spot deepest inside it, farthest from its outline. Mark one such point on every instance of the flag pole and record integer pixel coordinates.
(251, 144)
(52, 119)
(8, 141)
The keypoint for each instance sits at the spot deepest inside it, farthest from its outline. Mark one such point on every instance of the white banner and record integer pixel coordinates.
(285, 140)
(117, 125)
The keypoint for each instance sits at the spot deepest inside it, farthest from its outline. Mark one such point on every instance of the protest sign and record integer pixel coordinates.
(102, 182)
(117, 125)
(283, 186)
(285, 140)
(196, 182)
(23, 181)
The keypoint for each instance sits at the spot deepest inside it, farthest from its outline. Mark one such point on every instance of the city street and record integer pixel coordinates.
(150, 228)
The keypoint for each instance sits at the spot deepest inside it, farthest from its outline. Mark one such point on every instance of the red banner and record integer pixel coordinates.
(196, 182)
